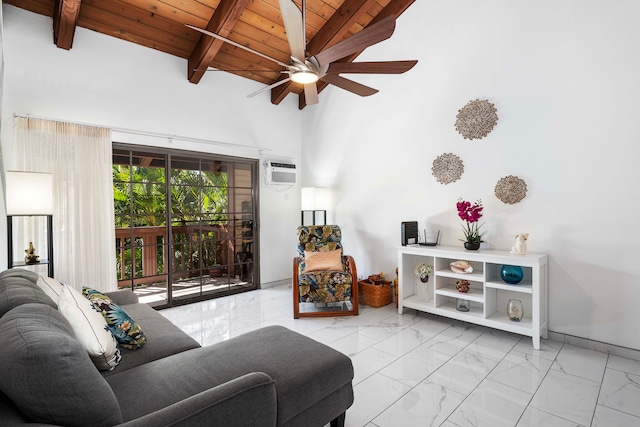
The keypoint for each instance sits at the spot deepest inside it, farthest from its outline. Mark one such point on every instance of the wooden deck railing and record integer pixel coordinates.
(187, 260)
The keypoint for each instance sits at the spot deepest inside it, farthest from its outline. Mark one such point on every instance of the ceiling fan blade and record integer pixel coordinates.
(388, 67)
(369, 36)
(231, 42)
(276, 84)
(292, 17)
(350, 85)
(311, 93)
(246, 70)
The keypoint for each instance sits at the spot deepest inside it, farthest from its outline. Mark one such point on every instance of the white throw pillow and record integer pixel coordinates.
(51, 287)
(90, 328)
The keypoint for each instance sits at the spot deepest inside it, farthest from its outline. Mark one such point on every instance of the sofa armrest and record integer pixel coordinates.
(249, 400)
(123, 297)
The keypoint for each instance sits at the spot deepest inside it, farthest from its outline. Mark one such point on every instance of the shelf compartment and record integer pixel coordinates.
(523, 327)
(493, 274)
(34, 264)
(417, 303)
(474, 294)
(523, 287)
(475, 276)
(443, 268)
(449, 309)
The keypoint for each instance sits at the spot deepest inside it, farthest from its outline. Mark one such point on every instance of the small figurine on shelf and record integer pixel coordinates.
(520, 248)
(32, 257)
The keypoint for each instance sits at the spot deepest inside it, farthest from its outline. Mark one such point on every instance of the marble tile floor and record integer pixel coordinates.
(423, 370)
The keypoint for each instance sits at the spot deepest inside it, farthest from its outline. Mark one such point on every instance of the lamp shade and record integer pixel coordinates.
(315, 199)
(28, 193)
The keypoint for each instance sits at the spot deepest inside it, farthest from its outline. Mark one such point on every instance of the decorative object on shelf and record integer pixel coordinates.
(476, 119)
(512, 274)
(462, 304)
(32, 257)
(447, 168)
(520, 247)
(472, 246)
(515, 310)
(511, 189)
(471, 214)
(461, 266)
(427, 242)
(462, 286)
(423, 271)
(408, 233)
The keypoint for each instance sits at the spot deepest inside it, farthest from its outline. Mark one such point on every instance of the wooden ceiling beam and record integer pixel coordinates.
(222, 22)
(332, 32)
(396, 8)
(65, 19)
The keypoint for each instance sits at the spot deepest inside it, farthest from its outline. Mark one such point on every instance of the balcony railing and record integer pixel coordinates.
(197, 250)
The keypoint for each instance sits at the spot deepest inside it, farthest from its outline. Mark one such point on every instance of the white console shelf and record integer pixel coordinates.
(488, 293)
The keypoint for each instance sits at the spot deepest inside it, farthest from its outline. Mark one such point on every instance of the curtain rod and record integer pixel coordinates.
(169, 137)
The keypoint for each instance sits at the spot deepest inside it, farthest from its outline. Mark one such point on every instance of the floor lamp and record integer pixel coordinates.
(314, 200)
(29, 194)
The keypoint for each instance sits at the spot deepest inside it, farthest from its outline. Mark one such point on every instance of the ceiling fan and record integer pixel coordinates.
(307, 70)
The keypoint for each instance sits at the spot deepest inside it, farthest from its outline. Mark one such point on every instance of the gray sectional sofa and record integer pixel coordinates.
(268, 377)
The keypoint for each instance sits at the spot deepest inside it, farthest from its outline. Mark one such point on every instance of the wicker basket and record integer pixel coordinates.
(374, 295)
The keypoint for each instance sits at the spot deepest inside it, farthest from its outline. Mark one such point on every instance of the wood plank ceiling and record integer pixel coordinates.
(160, 25)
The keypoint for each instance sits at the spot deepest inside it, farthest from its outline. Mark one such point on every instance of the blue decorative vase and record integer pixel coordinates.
(512, 274)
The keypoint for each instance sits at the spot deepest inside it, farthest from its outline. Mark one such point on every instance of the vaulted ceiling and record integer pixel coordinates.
(257, 24)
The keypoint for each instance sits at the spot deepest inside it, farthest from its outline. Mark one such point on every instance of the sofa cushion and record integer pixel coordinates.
(17, 288)
(20, 272)
(9, 412)
(47, 373)
(126, 331)
(90, 328)
(163, 338)
(51, 287)
(305, 372)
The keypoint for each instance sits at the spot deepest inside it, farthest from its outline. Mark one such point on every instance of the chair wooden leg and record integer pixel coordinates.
(296, 290)
(339, 420)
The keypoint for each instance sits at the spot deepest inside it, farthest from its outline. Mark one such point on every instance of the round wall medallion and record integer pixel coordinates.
(476, 119)
(511, 189)
(447, 168)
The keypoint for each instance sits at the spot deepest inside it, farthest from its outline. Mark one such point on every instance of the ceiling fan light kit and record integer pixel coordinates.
(307, 70)
(304, 77)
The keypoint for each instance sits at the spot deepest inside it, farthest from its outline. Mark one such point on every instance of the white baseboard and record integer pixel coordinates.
(282, 282)
(616, 350)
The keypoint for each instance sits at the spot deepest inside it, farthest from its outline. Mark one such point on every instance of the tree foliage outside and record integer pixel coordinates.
(139, 196)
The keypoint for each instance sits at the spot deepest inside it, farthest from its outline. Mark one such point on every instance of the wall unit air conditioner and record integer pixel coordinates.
(280, 173)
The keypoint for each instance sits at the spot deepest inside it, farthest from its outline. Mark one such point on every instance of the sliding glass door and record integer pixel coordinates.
(185, 224)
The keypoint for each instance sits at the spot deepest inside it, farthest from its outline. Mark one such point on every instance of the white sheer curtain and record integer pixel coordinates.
(79, 157)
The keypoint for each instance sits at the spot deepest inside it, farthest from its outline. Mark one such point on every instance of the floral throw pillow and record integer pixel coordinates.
(125, 330)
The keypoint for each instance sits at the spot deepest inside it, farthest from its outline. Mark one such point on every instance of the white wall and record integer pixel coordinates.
(563, 76)
(109, 82)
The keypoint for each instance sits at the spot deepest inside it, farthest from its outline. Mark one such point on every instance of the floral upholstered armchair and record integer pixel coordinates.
(322, 274)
